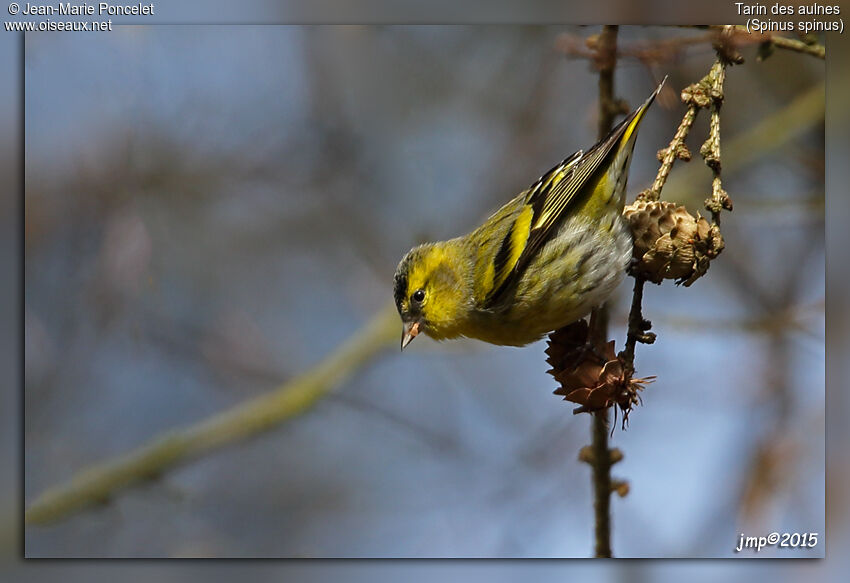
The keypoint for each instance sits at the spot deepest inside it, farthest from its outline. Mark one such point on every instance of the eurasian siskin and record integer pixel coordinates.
(542, 261)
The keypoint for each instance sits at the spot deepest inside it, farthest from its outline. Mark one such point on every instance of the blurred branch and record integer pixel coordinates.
(660, 51)
(781, 42)
(98, 483)
(647, 52)
(740, 36)
(605, 60)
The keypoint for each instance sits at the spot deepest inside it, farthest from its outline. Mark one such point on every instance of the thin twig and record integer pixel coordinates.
(710, 150)
(98, 483)
(677, 150)
(638, 325)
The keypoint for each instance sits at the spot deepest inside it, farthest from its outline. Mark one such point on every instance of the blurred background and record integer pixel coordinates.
(211, 211)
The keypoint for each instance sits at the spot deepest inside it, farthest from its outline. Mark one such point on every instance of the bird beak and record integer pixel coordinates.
(408, 333)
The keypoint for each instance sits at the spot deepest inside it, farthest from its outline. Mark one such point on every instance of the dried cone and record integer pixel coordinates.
(670, 243)
(593, 381)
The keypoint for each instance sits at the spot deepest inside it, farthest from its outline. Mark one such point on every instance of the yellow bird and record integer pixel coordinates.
(542, 261)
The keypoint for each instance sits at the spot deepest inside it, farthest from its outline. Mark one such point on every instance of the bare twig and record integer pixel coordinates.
(710, 150)
(605, 60)
(707, 93)
(651, 52)
(638, 330)
(100, 482)
(677, 150)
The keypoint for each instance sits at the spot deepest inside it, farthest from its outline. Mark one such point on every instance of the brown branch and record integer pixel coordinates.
(638, 330)
(605, 60)
(601, 469)
(601, 459)
(600, 455)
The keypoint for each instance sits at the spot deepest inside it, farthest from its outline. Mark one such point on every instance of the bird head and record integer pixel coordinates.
(430, 294)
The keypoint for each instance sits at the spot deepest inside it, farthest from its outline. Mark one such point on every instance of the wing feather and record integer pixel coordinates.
(548, 201)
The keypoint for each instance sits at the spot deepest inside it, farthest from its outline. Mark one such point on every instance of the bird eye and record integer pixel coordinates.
(418, 295)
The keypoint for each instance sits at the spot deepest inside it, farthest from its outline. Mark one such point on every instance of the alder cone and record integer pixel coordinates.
(670, 243)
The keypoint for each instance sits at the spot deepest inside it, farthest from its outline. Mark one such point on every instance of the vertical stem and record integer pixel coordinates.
(601, 485)
(711, 148)
(601, 459)
(606, 61)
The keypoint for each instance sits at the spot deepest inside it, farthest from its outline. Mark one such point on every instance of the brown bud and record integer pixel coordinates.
(696, 94)
(709, 151)
(621, 487)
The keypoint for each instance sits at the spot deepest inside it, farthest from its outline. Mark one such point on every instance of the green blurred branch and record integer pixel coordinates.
(98, 483)
(781, 42)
